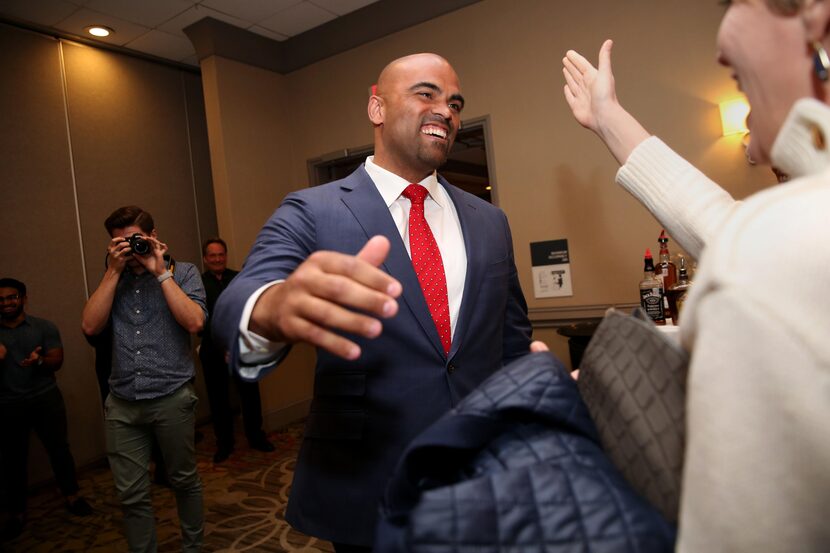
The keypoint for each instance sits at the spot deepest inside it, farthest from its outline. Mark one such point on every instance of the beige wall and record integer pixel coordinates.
(248, 122)
(554, 179)
(84, 132)
(251, 144)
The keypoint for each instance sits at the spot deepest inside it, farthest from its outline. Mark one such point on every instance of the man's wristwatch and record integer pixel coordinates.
(164, 276)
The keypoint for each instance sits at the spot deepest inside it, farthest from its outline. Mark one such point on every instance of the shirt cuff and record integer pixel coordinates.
(255, 351)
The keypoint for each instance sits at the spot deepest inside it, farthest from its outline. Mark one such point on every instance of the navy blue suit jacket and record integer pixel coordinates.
(365, 412)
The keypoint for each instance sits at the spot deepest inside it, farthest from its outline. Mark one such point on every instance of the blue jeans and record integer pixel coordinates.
(130, 427)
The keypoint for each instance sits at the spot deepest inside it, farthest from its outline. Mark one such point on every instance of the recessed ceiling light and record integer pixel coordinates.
(99, 30)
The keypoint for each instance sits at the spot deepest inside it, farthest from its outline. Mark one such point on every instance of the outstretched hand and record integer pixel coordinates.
(330, 292)
(589, 91)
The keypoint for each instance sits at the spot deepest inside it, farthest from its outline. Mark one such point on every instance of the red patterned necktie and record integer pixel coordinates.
(426, 258)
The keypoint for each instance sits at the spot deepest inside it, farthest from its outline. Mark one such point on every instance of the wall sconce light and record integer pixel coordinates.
(99, 30)
(733, 116)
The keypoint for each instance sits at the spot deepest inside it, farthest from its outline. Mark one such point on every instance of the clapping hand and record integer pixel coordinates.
(33, 358)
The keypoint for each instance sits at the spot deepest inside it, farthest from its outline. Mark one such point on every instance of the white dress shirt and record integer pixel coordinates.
(442, 219)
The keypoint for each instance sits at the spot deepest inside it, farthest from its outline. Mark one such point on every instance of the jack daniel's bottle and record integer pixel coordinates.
(652, 297)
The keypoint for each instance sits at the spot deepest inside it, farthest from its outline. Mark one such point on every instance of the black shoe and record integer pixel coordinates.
(13, 528)
(262, 444)
(79, 507)
(222, 454)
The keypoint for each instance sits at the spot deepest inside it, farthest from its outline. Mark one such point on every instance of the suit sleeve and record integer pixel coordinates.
(517, 328)
(285, 241)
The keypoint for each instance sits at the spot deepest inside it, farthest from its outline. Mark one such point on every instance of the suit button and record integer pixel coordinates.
(451, 368)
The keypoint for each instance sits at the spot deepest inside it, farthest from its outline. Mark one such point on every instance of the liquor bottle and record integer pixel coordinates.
(666, 270)
(677, 293)
(652, 297)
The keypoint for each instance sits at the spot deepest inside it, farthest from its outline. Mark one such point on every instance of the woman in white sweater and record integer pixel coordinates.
(757, 467)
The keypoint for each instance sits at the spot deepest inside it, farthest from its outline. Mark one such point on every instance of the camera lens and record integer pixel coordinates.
(139, 245)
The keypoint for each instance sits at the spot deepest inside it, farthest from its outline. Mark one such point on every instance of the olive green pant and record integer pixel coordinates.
(130, 428)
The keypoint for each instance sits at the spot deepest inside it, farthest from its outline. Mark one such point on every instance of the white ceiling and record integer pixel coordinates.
(155, 26)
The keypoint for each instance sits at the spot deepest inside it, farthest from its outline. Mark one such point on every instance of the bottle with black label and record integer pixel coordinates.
(652, 296)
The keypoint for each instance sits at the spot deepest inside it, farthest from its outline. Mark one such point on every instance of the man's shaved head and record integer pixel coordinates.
(395, 68)
(416, 110)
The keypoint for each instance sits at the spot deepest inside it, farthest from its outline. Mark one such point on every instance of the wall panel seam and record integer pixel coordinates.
(190, 159)
(65, 93)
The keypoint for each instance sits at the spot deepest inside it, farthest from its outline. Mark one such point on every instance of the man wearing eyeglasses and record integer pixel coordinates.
(30, 353)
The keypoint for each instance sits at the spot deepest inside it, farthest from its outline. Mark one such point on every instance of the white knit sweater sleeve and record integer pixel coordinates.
(689, 205)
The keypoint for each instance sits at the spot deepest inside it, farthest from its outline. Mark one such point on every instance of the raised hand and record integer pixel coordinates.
(592, 96)
(589, 90)
(327, 292)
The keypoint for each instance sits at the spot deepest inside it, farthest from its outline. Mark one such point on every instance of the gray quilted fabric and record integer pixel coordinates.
(633, 380)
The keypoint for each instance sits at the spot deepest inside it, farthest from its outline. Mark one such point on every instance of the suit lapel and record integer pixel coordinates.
(371, 212)
(469, 218)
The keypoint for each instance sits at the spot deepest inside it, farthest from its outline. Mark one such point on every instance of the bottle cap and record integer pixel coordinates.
(663, 238)
(648, 253)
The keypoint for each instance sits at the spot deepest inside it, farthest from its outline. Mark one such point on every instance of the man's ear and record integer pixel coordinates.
(816, 17)
(375, 109)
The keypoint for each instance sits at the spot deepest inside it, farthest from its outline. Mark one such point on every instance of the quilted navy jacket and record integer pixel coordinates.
(516, 467)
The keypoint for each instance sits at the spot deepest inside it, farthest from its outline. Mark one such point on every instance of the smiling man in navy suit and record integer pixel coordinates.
(406, 285)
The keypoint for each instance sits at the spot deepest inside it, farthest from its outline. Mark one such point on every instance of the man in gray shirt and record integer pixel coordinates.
(152, 308)
(30, 353)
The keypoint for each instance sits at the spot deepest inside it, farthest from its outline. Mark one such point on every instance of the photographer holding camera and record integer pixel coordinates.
(151, 308)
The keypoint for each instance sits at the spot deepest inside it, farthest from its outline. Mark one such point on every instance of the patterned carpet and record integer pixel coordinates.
(244, 498)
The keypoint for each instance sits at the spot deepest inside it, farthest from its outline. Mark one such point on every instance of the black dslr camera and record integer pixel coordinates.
(139, 245)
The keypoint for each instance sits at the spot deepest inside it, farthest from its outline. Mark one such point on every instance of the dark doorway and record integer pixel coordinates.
(466, 167)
